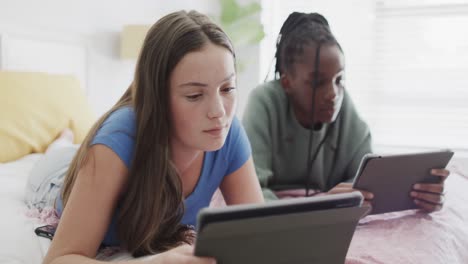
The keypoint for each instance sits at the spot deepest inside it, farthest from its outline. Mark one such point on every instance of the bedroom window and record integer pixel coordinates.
(407, 66)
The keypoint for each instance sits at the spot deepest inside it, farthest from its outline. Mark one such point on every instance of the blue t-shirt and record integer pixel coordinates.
(118, 133)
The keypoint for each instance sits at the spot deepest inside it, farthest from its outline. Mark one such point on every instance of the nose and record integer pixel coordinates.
(216, 107)
(332, 92)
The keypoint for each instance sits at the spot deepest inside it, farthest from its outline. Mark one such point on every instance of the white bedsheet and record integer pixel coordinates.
(18, 243)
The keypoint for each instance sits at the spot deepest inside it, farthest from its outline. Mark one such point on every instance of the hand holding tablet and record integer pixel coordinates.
(405, 181)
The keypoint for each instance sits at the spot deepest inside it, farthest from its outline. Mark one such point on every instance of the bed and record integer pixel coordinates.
(42, 92)
(415, 237)
(404, 237)
(18, 243)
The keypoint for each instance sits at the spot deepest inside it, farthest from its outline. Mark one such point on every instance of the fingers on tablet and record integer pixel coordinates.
(429, 187)
(429, 207)
(440, 172)
(431, 198)
(367, 195)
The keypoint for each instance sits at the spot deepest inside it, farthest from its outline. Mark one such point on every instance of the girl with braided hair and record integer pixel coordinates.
(303, 126)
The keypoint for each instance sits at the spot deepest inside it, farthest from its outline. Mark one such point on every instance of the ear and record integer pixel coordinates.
(285, 83)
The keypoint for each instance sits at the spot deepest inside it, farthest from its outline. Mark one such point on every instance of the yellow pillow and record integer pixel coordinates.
(35, 108)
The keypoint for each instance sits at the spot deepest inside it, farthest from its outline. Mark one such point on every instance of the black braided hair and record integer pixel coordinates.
(298, 30)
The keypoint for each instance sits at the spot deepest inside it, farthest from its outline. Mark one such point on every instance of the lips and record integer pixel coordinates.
(215, 131)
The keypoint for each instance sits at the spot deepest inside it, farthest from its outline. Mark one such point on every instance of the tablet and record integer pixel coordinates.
(391, 178)
(301, 230)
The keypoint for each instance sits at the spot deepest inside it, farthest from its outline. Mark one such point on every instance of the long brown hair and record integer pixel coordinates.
(152, 206)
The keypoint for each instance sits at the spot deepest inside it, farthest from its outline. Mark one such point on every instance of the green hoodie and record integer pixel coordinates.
(280, 143)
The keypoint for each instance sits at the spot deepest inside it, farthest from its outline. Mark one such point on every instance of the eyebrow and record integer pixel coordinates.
(198, 84)
(312, 73)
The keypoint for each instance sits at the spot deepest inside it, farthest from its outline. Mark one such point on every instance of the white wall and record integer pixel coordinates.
(96, 24)
(352, 23)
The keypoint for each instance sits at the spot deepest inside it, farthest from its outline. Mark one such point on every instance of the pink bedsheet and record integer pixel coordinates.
(413, 236)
